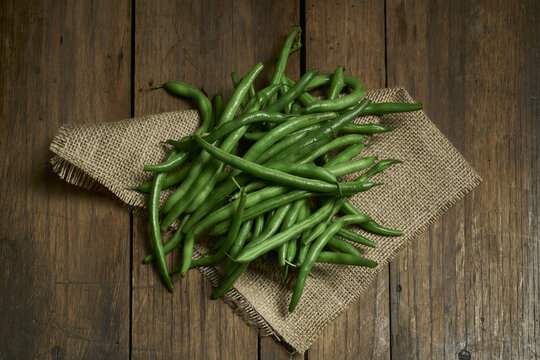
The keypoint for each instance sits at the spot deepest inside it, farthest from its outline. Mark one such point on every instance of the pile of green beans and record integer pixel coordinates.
(261, 176)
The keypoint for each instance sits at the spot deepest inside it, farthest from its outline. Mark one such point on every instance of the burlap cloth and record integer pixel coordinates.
(432, 178)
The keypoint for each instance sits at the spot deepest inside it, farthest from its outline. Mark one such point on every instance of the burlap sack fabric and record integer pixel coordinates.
(432, 177)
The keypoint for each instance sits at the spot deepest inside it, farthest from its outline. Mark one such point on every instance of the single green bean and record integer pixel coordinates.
(170, 180)
(367, 129)
(235, 82)
(185, 90)
(346, 155)
(173, 242)
(371, 225)
(343, 246)
(239, 93)
(243, 234)
(357, 238)
(334, 144)
(174, 161)
(284, 55)
(378, 167)
(153, 212)
(336, 84)
(344, 259)
(304, 170)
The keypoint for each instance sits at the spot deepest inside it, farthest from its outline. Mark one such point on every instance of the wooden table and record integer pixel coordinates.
(72, 286)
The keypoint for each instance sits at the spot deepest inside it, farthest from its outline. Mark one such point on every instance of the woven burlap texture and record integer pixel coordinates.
(432, 177)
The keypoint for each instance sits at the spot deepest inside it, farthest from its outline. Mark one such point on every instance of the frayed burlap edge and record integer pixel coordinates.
(72, 174)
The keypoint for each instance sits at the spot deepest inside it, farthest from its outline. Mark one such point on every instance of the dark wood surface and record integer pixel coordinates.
(71, 282)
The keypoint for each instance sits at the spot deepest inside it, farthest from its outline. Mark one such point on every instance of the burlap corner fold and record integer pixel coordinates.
(432, 177)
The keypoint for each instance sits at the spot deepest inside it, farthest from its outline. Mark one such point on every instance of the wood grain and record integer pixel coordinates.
(468, 286)
(199, 44)
(65, 251)
(466, 289)
(350, 34)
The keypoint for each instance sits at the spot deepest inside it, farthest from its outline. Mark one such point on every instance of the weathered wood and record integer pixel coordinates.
(350, 34)
(65, 251)
(198, 43)
(469, 286)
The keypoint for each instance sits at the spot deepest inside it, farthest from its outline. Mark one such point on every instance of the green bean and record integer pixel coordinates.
(174, 161)
(393, 108)
(283, 90)
(294, 92)
(367, 129)
(314, 251)
(378, 167)
(185, 90)
(239, 242)
(239, 93)
(343, 246)
(170, 180)
(173, 242)
(218, 106)
(304, 170)
(235, 82)
(346, 155)
(371, 225)
(305, 98)
(258, 227)
(345, 259)
(300, 216)
(336, 84)
(287, 223)
(153, 212)
(351, 166)
(283, 56)
(303, 250)
(342, 102)
(252, 251)
(334, 144)
(357, 238)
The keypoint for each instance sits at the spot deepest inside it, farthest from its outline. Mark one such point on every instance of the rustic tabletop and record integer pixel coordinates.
(72, 286)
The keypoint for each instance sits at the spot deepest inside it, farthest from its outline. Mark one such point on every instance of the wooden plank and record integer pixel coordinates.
(199, 43)
(468, 287)
(65, 251)
(352, 35)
